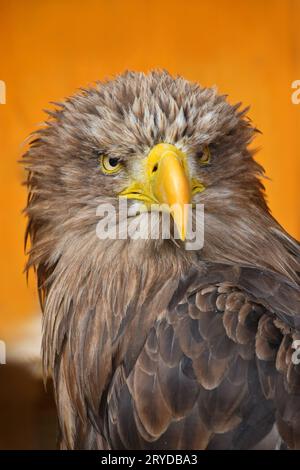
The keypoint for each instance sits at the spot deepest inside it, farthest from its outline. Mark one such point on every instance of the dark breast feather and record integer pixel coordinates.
(215, 370)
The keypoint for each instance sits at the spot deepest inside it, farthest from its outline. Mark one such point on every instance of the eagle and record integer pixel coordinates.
(151, 345)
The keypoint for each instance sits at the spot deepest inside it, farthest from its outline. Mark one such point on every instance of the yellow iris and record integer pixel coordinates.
(110, 165)
(205, 155)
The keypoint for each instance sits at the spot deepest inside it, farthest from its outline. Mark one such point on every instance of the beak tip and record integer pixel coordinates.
(182, 236)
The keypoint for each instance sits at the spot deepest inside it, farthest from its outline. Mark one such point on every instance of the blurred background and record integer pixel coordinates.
(49, 48)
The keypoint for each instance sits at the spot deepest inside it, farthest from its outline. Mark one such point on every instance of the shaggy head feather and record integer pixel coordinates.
(125, 118)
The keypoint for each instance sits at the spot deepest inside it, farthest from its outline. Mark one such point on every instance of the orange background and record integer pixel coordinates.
(250, 49)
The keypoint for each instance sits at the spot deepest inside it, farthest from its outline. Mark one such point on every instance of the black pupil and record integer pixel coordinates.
(113, 161)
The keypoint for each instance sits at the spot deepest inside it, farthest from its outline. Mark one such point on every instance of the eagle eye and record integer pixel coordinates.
(110, 165)
(204, 156)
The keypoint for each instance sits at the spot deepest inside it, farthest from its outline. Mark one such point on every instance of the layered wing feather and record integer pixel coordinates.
(216, 369)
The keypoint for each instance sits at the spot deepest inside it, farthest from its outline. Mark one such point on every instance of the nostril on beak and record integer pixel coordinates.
(154, 169)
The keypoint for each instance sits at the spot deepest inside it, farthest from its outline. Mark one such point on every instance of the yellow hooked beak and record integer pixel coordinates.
(166, 181)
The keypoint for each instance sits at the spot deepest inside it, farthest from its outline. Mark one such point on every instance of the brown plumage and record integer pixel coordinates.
(149, 345)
